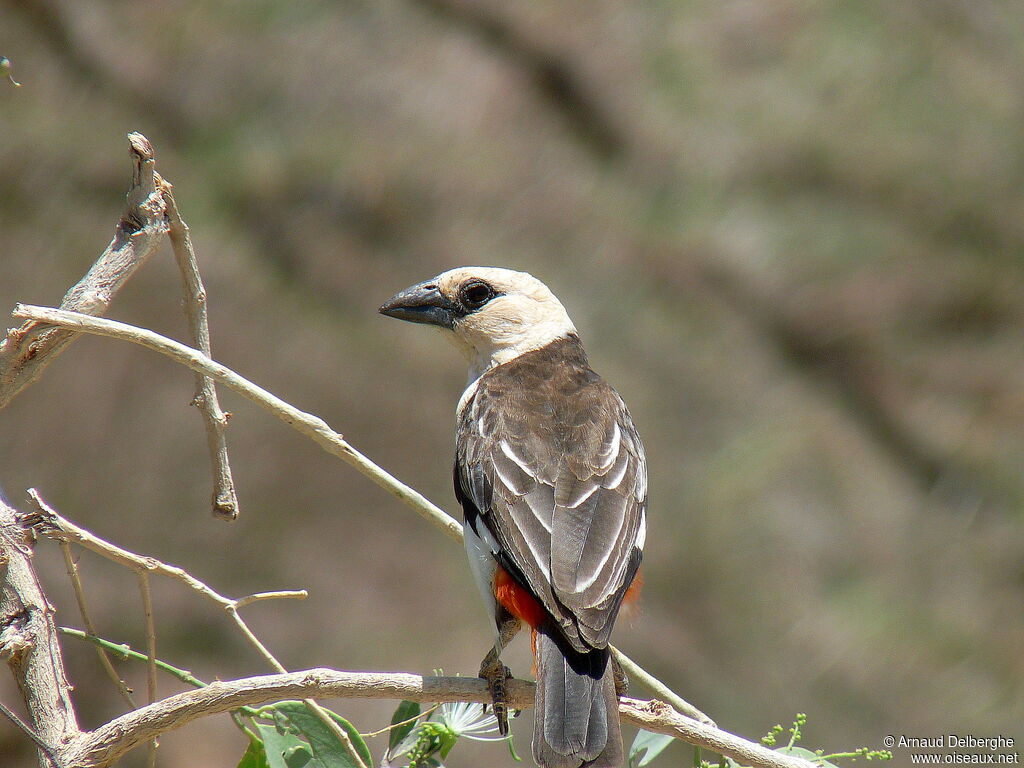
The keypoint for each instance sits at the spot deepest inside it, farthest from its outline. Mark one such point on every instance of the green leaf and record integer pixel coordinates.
(448, 741)
(277, 743)
(328, 750)
(255, 756)
(298, 757)
(647, 746)
(406, 711)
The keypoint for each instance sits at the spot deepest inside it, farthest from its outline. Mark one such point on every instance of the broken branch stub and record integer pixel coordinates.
(27, 350)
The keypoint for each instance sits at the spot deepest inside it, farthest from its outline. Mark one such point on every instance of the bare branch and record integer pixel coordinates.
(28, 640)
(309, 425)
(658, 688)
(50, 523)
(225, 500)
(26, 351)
(109, 742)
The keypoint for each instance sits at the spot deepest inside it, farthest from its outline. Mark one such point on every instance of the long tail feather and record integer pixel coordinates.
(577, 719)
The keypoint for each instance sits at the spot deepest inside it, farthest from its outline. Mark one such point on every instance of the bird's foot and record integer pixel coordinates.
(496, 673)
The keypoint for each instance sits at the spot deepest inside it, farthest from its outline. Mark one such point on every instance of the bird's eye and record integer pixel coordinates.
(475, 294)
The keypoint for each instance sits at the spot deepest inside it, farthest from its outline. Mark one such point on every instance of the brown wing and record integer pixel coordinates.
(550, 460)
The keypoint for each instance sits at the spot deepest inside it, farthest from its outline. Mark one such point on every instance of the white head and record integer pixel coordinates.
(494, 315)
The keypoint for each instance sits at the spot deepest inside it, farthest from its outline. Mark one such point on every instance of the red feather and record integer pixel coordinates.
(516, 599)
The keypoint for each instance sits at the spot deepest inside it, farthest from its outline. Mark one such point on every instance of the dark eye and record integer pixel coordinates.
(475, 294)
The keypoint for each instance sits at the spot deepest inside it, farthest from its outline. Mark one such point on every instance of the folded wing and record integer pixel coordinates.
(549, 459)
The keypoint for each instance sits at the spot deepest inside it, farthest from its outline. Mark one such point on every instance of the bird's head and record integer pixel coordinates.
(494, 315)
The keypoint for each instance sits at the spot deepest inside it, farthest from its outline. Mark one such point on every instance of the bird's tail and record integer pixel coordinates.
(577, 711)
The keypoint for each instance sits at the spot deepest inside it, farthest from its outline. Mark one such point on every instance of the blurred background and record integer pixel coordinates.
(790, 233)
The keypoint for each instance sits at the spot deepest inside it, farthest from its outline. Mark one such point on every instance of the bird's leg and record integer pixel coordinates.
(621, 679)
(496, 673)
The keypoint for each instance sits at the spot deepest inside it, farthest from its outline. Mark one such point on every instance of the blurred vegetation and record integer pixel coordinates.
(791, 234)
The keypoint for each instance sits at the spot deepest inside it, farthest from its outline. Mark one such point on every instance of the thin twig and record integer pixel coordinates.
(147, 609)
(287, 594)
(225, 500)
(385, 729)
(125, 651)
(52, 524)
(309, 425)
(109, 742)
(232, 611)
(150, 212)
(659, 689)
(83, 609)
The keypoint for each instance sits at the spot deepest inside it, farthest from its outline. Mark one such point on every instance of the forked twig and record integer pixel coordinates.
(150, 213)
(225, 500)
(52, 524)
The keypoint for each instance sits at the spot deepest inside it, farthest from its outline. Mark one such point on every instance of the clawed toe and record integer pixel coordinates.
(496, 673)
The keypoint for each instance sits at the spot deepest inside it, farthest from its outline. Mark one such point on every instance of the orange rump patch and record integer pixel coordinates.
(633, 592)
(516, 599)
(631, 600)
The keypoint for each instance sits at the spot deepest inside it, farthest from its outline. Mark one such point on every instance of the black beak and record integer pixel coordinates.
(423, 303)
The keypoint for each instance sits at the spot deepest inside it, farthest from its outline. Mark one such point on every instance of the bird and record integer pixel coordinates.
(551, 476)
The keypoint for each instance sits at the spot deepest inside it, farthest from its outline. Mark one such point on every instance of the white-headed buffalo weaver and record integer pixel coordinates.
(552, 479)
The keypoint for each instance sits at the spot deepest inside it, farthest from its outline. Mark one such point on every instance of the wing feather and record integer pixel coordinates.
(556, 472)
